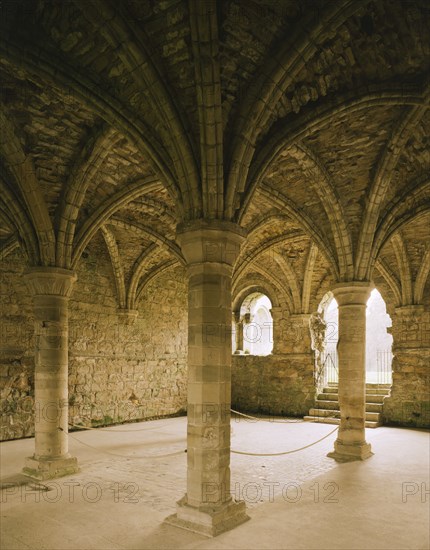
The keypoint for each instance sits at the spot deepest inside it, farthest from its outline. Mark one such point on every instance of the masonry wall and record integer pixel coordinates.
(409, 402)
(281, 383)
(16, 351)
(117, 371)
(273, 384)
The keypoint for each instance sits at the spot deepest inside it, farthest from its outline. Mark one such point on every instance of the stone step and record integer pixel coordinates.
(330, 389)
(331, 420)
(374, 407)
(333, 388)
(329, 393)
(377, 391)
(333, 405)
(328, 396)
(324, 397)
(324, 412)
(375, 398)
(323, 404)
(327, 405)
(371, 416)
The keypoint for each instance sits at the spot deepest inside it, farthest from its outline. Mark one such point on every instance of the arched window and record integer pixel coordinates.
(327, 363)
(255, 324)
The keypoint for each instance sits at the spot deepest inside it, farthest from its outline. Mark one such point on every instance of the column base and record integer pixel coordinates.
(348, 453)
(43, 469)
(207, 520)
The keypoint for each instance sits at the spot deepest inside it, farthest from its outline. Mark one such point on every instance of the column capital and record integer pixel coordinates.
(276, 312)
(50, 281)
(352, 293)
(127, 316)
(210, 241)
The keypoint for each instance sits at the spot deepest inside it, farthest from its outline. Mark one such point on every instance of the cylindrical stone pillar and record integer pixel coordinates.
(238, 325)
(210, 249)
(351, 440)
(51, 288)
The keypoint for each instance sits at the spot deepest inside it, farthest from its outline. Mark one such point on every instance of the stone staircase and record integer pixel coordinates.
(326, 408)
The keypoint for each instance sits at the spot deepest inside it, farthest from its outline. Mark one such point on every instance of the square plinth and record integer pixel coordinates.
(206, 520)
(43, 469)
(349, 453)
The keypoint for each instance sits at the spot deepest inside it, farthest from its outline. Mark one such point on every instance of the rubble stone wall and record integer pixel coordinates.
(273, 384)
(409, 403)
(117, 371)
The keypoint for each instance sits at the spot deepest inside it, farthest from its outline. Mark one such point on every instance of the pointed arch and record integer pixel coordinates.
(124, 37)
(307, 277)
(165, 266)
(55, 70)
(329, 198)
(13, 211)
(276, 73)
(422, 275)
(157, 237)
(413, 201)
(85, 168)
(117, 267)
(297, 214)
(248, 285)
(105, 210)
(392, 281)
(379, 186)
(22, 169)
(138, 269)
(247, 258)
(8, 246)
(273, 280)
(288, 132)
(404, 266)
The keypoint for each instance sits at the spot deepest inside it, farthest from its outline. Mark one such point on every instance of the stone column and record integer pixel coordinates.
(51, 288)
(351, 442)
(210, 249)
(238, 323)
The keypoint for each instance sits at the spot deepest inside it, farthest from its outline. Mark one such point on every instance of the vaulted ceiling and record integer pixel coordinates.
(305, 121)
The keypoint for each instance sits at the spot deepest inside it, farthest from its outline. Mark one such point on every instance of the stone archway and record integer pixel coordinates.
(378, 341)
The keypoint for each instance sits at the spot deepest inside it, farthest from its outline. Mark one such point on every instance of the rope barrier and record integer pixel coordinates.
(114, 430)
(185, 450)
(128, 456)
(266, 420)
(105, 429)
(285, 452)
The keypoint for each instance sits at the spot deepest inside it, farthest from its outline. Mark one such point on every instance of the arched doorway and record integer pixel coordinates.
(327, 360)
(378, 341)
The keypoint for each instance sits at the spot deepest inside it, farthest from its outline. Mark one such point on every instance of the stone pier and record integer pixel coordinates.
(50, 288)
(351, 440)
(210, 249)
(409, 402)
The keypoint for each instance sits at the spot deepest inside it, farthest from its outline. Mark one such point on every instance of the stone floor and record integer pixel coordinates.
(302, 500)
